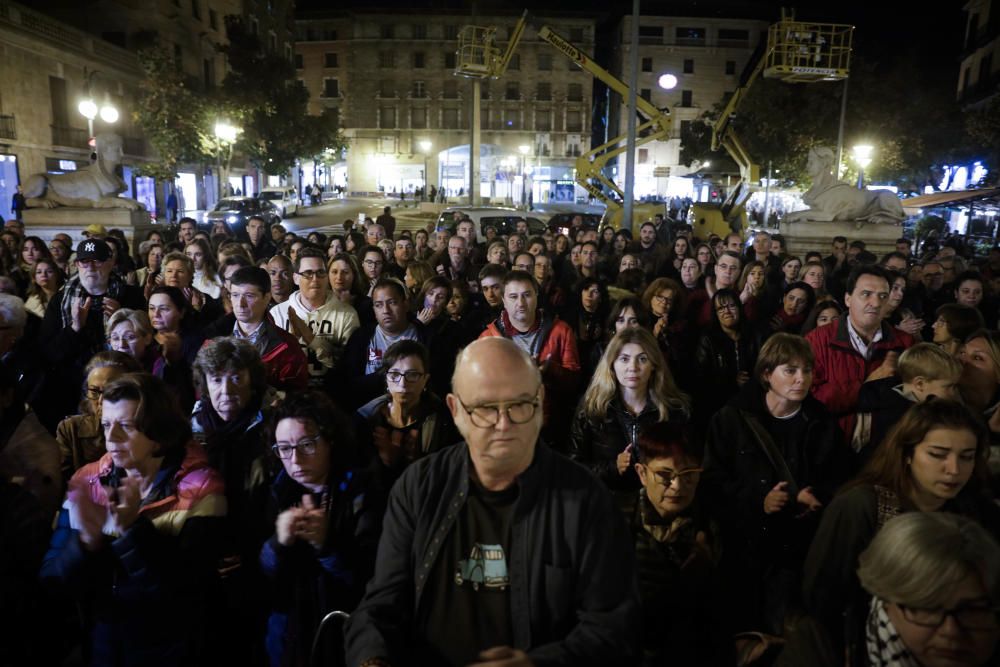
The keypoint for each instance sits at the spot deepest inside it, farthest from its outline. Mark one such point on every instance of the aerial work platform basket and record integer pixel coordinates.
(803, 52)
(478, 55)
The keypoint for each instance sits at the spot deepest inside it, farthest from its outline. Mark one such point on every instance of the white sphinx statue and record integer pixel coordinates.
(96, 186)
(832, 200)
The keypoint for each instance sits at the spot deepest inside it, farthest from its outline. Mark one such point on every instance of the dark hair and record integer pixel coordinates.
(805, 287)
(158, 415)
(969, 275)
(236, 260)
(358, 287)
(516, 276)
(371, 248)
(859, 244)
(391, 284)
(619, 307)
(492, 271)
(306, 253)
(175, 295)
(866, 270)
(252, 275)
(895, 254)
(731, 295)
(230, 354)
(814, 314)
(187, 219)
(632, 280)
(402, 350)
(332, 423)
(840, 239)
(962, 320)
(431, 283)
(665, 440)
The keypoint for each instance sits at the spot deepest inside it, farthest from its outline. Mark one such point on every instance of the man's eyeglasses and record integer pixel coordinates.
(974, 616)
(488, 414)
(305, 446)
(667, 477)
(396, 377)
(371, 263)
(312, 275)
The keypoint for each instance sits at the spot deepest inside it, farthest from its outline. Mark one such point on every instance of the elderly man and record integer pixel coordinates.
(455, 264)
(73, 328)
(498, 551)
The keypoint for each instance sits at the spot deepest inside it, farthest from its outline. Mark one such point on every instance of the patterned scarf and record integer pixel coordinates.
(73, 289)
(885, 648)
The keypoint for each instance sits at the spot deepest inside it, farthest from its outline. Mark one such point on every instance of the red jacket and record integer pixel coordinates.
(840, 370)
(556, 354)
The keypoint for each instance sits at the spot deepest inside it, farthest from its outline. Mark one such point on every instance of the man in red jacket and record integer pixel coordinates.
(859, 348)
(549, 341)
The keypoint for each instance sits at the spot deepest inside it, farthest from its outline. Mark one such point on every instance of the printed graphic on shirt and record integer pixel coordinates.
(486, 566)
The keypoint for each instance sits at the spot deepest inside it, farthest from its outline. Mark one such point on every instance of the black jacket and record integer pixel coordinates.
(348, 383)
(718, 360)
(573, 597)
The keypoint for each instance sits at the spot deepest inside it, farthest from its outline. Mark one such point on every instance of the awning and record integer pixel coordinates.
(991, 195)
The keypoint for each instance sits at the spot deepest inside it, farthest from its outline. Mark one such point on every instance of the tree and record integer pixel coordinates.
(173, 117)
(270, 104)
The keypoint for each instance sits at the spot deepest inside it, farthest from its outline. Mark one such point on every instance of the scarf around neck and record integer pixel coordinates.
(885, 647)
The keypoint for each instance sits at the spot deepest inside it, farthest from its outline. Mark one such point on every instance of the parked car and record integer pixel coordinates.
(503, 219)
(286, 200)
(235, 211)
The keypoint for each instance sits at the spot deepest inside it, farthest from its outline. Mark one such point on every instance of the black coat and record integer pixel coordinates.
(349, 383)
(718, 360)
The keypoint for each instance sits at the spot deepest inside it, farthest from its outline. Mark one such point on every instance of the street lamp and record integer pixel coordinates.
(523, 149)
(667, 81)
(863, 156)
(226, 135)
(88, 107)
(425, 148)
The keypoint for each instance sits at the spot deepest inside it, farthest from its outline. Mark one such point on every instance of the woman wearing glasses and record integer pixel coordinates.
(327, 519)
(934, 460)
(677, 549)
(631, 390)
(772, 461)
(407, 422)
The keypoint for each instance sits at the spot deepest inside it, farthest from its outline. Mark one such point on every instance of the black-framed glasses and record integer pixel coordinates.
(488, 414)
(971, 616)
(312, 275)
(667, 477)
(305, 446)
(397, 377)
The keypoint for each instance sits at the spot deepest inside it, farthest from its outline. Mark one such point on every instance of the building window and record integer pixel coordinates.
(515, 62)
(330, 60)
(418, 118)
(646, 94)
(449, 60)
(387, 117)
(690, 36)
(386, 89)
(387, 31)
(544, 62)
(543, 92)
(419, 90)
(418, 60)
(688, 66)
(331, 88)
(730, 67)
(213, 19)
(334, 114)
(574, 92)
(733, 37)
(298, 61)
(450, 90)
(386, 59)
(543, 120)
(449, 119)
(650, 34)
(272, 42)
(419, 31)
(513, 91)
(647, 64)
(195, 10)
(643, 156)
(577, 35)
(574, 121)
(685, 98)
(329, 35)
(209, 68)
(254, 26)
(512, 119)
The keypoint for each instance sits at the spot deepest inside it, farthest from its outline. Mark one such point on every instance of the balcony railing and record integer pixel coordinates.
(7, 129)
(69, 136)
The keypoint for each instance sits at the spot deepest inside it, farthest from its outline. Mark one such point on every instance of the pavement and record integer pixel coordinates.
(329, 216)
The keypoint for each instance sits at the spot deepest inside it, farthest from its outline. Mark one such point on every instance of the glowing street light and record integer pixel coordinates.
(226, 133)
(863, 156)
(88, 107)
(667, 81)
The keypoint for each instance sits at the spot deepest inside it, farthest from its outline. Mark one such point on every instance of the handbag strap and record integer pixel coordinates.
(771, 451)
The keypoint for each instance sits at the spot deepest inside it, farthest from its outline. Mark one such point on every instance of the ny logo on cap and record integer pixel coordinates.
(89, 247)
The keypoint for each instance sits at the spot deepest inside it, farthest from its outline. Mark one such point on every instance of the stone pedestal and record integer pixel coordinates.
(47, 222)
(805, 236)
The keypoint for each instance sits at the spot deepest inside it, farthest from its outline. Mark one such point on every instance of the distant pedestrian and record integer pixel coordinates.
(172, 206)
(17, 203)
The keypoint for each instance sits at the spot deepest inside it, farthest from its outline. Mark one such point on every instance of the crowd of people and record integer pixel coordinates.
(577, 448)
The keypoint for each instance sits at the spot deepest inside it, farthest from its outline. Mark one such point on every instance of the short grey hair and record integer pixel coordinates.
(12, 311)
(919, 558)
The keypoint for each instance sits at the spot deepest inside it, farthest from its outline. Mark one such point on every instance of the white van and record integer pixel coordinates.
(503, 219)
(285, 199)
